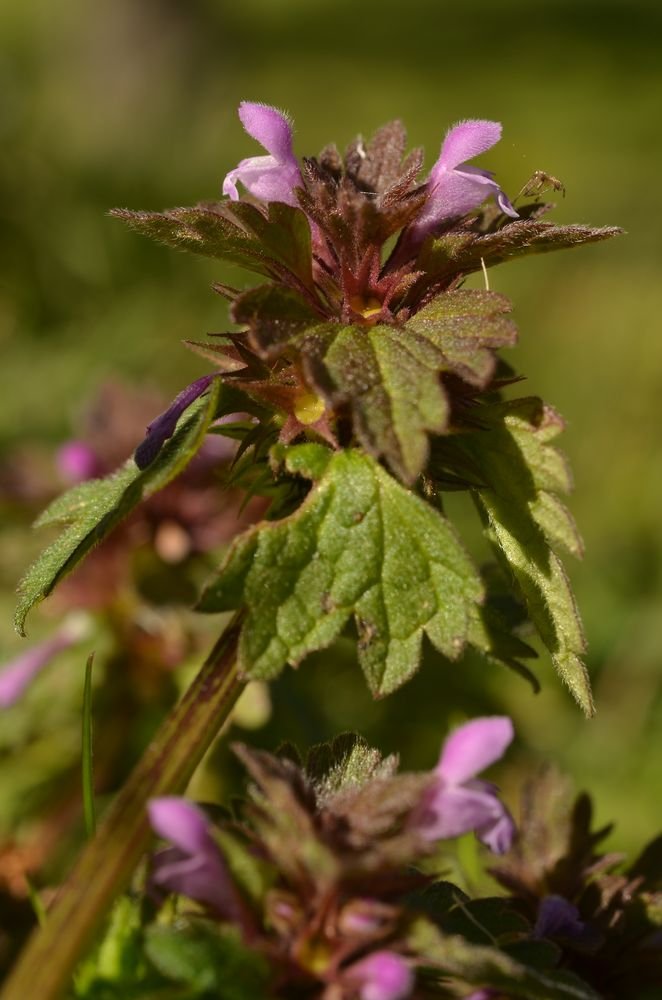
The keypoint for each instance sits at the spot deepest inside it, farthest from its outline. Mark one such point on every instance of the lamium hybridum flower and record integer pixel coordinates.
(458, 802)
(454, 188)
(193, 866)
(273, 177)
(353, 209)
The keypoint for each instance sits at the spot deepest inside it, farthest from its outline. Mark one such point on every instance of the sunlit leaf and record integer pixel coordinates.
(91, 510)
(359, 546)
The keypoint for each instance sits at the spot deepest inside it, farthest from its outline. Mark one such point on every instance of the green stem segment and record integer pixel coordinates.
(105, 866)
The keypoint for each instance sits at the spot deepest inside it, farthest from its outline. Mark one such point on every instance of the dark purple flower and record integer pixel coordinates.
(273, 177)
(457, 802)
(558, 918)
(194, 866)
(16, 676)
(384, 975)
(163, 427)
(455, 188)
(77, 461)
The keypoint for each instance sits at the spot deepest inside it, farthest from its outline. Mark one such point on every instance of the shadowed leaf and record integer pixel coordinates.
(526, 521)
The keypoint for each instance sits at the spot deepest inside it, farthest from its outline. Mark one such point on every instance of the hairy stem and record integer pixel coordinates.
(106, 864)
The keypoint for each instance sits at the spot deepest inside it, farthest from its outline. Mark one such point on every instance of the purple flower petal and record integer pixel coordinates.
(163, 427)
(473, 747)
(455, 188)
(273, 177)
(558, 918)
(498, 834)
(194, 867)
(17, 675)
(464, 141)
(268, 126)
(182, 823)
(384, 975)
(451, 811)
(77, 461)
(456, 802)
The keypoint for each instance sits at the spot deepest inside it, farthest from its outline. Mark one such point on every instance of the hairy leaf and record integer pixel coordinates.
(360, 545)
(480, 965)
(459, 253)
(346, 762)
(389, 376)
(94, 508)
(526, 522)
(239, 233)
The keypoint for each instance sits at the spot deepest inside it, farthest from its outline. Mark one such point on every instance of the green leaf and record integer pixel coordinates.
(116, 966)
(93, 509)
(527, 522)
(346, 762)
(199, 230)
(467, 326)
(481, 965)
(459, 253)
(211, 960)
(360, 545)
(283, 234)
(389, 376)
(236, 232)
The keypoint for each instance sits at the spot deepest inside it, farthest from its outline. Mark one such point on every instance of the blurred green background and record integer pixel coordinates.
(133, 103)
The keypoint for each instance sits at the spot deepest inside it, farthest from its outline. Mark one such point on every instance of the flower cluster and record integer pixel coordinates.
(356, 247)
(353, 207)
(339, 840)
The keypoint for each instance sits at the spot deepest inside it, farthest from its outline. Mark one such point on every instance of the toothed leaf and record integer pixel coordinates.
(389, 376)
(360, 545)
(527, 522)
(459, 253)
(91, 510)
(484, 966)
(239, 233)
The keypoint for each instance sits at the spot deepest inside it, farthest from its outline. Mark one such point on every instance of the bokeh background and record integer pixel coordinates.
(125, 103)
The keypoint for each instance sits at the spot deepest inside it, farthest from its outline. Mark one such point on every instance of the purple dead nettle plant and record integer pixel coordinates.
(341, 855)
(362, 380)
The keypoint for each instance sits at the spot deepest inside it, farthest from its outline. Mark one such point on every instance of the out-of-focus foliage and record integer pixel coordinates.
(134, 105)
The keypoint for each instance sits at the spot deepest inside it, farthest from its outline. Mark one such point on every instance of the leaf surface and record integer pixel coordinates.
(236, 232)
(522, 473)
(91, 510)
(389, 376)
(359, 546)
(460, 253)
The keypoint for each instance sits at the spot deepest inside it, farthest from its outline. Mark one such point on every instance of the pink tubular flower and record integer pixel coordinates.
(455, 188)
(273, 177)
(384, 975)
(457, 801)
(16, 676)
(193, 866)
